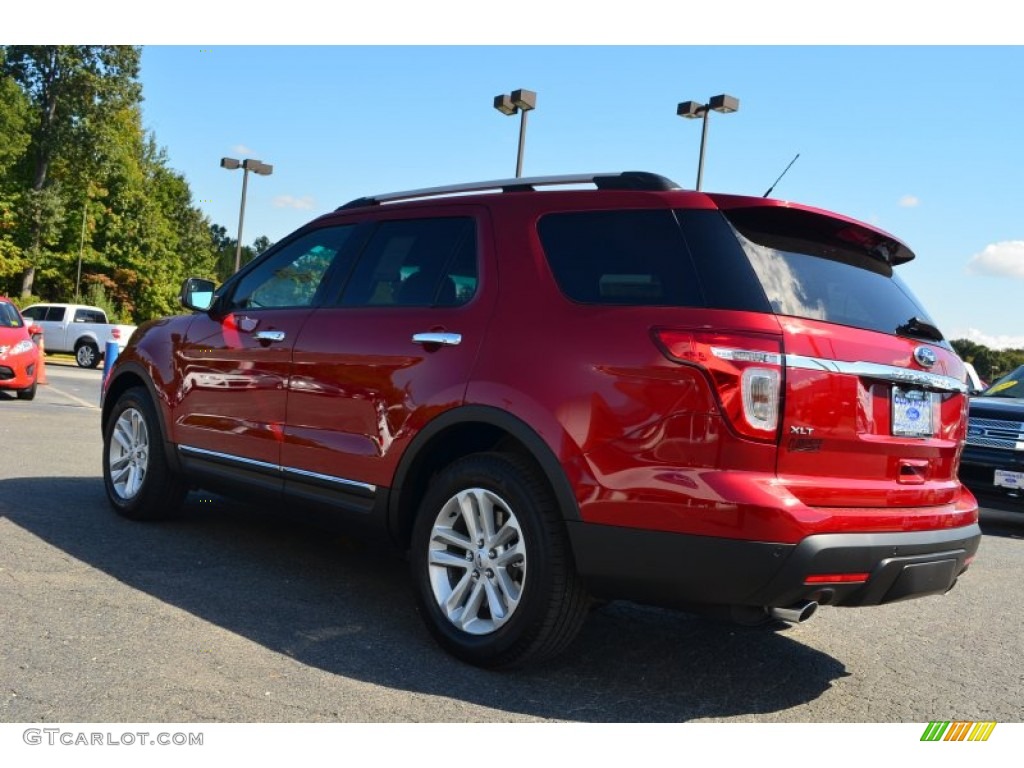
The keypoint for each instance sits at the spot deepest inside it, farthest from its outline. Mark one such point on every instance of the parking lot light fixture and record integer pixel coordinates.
(522, 101)
(723, 103)
(256, 166)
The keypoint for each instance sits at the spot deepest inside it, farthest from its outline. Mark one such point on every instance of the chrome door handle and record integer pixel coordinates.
(269, 335)
(444, 339)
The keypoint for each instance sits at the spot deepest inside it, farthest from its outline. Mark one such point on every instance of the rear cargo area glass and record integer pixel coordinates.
(814, 268)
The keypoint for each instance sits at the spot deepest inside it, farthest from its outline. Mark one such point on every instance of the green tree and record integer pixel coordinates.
(83, 186)
(72, 90)
(989, 363)
(225, 246)
(15, 125)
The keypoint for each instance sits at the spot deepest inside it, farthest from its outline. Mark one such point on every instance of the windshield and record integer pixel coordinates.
(9, 317)
(1011, 385)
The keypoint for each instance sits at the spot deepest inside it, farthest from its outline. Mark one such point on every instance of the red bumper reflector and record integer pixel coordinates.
(836, 578)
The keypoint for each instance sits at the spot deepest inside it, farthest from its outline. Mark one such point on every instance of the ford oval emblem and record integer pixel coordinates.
(925, 357)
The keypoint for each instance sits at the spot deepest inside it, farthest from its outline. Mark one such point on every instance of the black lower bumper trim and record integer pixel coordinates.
(682, 570)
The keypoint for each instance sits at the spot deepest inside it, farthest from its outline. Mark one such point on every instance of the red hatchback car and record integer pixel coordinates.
(632, 391)
(19, 356)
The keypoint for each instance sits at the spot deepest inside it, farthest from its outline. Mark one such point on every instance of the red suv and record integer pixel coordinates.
(632, 391)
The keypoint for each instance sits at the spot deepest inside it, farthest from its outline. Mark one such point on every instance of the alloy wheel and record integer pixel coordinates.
(129, 453)
(477, 561)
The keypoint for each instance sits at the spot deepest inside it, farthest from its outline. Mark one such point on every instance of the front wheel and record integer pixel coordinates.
(495, 580)
(140, 483)
(28, 393)
(87, 355)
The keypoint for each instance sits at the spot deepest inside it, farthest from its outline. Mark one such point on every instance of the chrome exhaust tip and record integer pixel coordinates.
(794, 614)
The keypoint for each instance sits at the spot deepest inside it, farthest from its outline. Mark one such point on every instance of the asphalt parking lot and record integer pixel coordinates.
(233, 614)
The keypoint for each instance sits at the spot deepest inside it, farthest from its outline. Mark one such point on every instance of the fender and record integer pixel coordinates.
(484, 414)
(146, 375)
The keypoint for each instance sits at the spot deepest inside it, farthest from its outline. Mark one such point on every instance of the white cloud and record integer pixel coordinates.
(909, 201)
(1000, 341)
(241, 149)
(287, 201)
(1005, 259)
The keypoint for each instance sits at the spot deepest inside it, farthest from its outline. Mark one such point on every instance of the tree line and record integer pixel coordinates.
(89, 206)
(989, 363)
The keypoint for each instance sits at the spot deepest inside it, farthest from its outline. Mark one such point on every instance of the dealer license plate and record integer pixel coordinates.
(913, 413)
(1006, 479)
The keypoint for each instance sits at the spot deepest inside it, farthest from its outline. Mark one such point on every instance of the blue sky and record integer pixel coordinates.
(923, 141)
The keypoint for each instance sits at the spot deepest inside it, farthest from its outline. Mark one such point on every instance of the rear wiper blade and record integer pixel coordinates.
(917, 328)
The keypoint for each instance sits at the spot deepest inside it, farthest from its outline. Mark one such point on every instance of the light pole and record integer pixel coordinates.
(246, 165)
(81, 249)
(523, 101)
(691, 109)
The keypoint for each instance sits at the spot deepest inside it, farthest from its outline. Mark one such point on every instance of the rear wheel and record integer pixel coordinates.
(139, 481)
(87, 354)
(494, 575)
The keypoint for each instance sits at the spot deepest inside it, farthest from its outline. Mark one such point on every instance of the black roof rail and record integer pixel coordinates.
(639, 180)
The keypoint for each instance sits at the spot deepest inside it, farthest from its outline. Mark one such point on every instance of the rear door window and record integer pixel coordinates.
(89, 316)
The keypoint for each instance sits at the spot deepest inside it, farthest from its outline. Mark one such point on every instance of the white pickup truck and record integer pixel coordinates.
(78, 329)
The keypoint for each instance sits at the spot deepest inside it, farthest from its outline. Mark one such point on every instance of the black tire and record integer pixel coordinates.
(87, 354)
(528, 558)
(29, 393)
(140, 483)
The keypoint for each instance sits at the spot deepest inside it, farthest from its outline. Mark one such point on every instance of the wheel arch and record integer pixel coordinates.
(86, 338)
(131, 375)
(461, 432)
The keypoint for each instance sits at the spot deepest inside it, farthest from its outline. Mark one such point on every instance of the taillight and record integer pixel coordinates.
(746, 370)
(115, 333)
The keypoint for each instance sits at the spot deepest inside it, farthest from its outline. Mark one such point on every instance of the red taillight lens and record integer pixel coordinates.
(746, 370)
(115, 333)
(836, 578)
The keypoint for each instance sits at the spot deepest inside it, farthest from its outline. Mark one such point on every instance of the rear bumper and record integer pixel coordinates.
(681, 570)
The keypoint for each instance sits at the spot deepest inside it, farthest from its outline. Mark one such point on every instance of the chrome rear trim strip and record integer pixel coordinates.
(891, 373)
(265, 465)
(329, 479)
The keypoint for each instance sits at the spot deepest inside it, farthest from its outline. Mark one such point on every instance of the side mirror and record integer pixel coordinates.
(197, 294)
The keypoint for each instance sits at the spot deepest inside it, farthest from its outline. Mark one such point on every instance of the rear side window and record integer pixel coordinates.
(89, 316)
(819, 268)
(54, 314)
(625, 257)
(416, 263)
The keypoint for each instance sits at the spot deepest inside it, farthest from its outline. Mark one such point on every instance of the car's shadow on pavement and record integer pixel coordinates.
(1002, 516)
(348, 609)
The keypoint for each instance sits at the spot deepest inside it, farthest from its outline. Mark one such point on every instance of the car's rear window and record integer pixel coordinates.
(819, 268)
